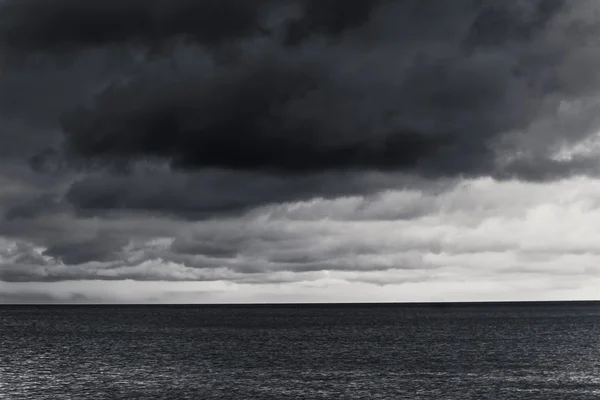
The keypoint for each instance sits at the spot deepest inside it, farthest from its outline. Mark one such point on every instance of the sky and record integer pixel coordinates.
(218, 151)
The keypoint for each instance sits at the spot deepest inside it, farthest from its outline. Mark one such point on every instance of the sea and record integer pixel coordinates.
(352, 351)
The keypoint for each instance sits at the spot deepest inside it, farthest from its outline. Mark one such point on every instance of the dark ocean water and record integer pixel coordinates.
(393, 352)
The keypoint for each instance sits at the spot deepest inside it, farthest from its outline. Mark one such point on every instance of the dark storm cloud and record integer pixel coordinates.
(63, 25)
(429, 87)
(212, 193)
(329, 17)
(432, 96)
(26, 194)
(496, 23)
(37, 206)
(100, 249)
(35, 93)
(71, 25)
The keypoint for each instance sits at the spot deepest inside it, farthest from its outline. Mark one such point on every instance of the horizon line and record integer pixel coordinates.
(323, 304)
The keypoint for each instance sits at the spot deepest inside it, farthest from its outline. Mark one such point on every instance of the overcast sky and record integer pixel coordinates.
(299, 150)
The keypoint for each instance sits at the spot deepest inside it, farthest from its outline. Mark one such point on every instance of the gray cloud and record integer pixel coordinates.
(282, 143)
(398, 230)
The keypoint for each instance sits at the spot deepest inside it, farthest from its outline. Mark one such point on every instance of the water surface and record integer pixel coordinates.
(497, 351)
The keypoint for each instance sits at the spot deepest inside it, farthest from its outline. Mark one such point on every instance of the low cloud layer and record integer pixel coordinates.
(479, 231)
(277, 144)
